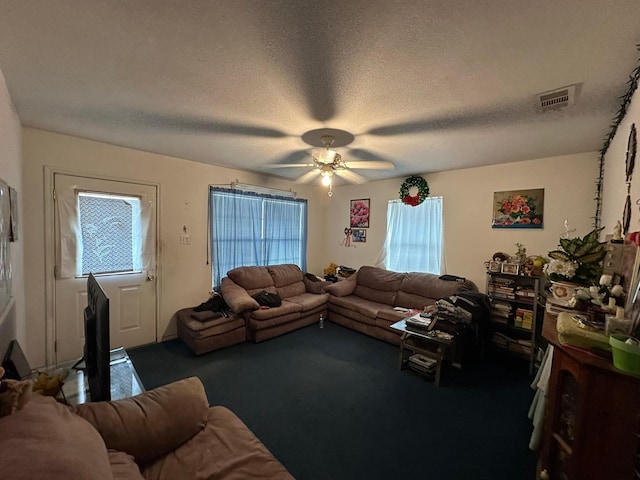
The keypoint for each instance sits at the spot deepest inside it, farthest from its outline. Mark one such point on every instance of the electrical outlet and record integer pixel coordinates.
(185, 239)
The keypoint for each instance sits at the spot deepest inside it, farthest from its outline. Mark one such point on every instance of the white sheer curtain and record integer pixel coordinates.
(70, 248)
(414, 241)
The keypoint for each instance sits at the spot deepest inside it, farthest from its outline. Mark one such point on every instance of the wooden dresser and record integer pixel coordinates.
(592, 422)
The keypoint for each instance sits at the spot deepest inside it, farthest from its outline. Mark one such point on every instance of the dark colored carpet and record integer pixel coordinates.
(331, 404)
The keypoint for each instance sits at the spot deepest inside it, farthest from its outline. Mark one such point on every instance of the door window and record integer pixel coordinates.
(109, 229)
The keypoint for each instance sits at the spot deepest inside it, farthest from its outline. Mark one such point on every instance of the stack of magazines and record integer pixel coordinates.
(422, 364)
(419, 322)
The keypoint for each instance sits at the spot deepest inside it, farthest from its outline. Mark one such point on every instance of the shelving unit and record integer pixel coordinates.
(517, 305)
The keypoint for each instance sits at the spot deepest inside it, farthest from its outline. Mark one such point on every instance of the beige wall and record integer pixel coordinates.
(13, 324)
(615, 187)
(568, 181)
(184, 276)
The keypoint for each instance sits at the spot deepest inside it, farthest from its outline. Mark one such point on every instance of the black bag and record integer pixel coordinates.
(216, 304)
(266, 299)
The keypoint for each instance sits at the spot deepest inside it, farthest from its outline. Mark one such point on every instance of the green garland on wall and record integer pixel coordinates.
(633, 81)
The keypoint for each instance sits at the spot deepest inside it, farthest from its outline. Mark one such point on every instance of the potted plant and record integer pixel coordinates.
(578, 262)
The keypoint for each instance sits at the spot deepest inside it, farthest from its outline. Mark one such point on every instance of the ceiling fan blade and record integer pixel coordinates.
(307, 177)
(350, 176)
(371, 165)
(289, 165)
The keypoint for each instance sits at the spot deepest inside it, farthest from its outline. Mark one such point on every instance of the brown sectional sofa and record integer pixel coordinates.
(303, 300)
(365, 300)
(166, 433)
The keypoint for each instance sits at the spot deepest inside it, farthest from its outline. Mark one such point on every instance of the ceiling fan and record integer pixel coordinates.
(327, 162)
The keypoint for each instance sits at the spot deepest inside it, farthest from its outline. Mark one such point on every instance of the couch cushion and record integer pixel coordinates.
(287, 307)
(123, 466)
(357, 308)
(224, 449)
(378, 284)
(46, 440)
(252, 279)
(288, 279)
(153, 423)
(420, 289)
(309, 301)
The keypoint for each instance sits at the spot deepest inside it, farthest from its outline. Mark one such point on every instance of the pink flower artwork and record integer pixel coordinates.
(359, 213)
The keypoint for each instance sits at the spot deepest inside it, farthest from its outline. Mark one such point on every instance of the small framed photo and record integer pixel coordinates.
(512, 268)
(495, 266)
(359, 235)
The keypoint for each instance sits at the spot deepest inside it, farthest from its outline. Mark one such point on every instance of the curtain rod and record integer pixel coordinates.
(256, 188)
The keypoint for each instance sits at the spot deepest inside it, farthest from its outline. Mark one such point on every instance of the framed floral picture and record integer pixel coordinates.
(518, 209)
(359, 213)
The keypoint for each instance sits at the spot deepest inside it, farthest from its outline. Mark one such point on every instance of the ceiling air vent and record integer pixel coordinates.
(556, 99)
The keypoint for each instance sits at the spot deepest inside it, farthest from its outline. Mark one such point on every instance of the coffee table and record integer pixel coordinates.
(432, 344)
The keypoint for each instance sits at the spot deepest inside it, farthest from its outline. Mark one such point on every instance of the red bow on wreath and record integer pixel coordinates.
(413, 201)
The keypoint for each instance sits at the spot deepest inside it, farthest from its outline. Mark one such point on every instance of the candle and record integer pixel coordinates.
(620, 313)
(612, 303)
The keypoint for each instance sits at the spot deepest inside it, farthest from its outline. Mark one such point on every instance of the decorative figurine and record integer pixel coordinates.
(617, 233)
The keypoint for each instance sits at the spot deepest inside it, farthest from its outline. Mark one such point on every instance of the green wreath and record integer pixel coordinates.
(422, 190)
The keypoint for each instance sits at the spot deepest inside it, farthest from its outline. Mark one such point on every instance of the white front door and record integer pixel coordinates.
(106, 228)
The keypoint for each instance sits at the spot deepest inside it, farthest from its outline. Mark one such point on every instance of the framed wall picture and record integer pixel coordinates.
(359, 235)
(518, 209)
(359, 213)
(13, 215)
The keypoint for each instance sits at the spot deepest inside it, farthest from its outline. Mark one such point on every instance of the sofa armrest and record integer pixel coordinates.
(237, 297)
(343, 288)
(153, 423)
(315, 286)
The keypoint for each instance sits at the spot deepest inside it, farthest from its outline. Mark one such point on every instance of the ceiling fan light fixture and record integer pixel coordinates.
(326, 180)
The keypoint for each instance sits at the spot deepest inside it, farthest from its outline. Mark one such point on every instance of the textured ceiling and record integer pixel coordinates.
(428, 85)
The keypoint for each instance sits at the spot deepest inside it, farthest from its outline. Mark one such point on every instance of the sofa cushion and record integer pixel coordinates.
(365, 311)
(420, 289)
(378, 284)
(252, 279)
(309, 301)
(153, 423)
(123, 466)
(224, 449)
(46, 440)
(287, 307)
(288, 279)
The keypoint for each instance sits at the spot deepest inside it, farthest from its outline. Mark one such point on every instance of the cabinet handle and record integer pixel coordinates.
(544, 475)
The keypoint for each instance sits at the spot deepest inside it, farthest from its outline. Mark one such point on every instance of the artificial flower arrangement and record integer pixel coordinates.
(578, 261)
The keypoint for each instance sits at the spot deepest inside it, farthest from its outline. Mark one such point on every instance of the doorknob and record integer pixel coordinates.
(151, 276)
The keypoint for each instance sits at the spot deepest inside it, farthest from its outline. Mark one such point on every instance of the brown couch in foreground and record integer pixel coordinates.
(303, 300)
(166, 433)
(365, 300)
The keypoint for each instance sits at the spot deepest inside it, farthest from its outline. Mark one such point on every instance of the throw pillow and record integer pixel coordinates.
(13, 394)
(46, 440)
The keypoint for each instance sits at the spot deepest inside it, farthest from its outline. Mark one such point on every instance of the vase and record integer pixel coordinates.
(563, 291)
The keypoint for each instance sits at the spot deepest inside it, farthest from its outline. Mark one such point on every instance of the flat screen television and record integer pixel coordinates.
(97, 344)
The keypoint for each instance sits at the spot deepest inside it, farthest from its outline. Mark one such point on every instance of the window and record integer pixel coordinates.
(414, 237)
(249, 229)
(109, 232)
